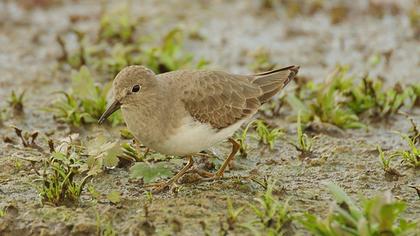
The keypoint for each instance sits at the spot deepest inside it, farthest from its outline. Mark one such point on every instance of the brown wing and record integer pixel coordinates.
(219, 98)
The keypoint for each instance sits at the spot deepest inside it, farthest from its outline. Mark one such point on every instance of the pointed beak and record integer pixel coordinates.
(111, 109)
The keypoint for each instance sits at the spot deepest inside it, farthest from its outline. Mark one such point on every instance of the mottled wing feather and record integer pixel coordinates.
(219, 98)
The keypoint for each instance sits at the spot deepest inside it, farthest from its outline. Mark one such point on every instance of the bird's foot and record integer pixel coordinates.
(211, 176)
(161, 186)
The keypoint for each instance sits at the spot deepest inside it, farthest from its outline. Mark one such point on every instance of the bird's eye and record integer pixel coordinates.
(135, 88)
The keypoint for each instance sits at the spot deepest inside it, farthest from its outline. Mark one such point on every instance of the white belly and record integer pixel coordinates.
(193, 137)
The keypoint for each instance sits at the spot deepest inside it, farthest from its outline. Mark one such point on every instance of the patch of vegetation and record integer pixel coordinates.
(414, 133)
(169, 55)
(3, 116)
(266, 135)
(16, 101)
(104, 226)
(294, 8)
(378, 216)
(150, 172)
(102, 155)
(242, 139)
(232, 214)
(84, 103)
(414, 17)
(370, 96)
(386, 163)
(410, 156)
(338, 13)
(118, 25)
(120, 43)
(303, 143)
(340, 101)
(261, 60)
(59, 185)
(325, 102)
(114, 197)
(273, 217)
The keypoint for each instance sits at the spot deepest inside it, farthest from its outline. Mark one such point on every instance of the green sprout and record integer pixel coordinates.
(58, 178)
(412, 155)
(262, 60)
(273, 217)
(3, 116)
(233, 214)
(265, 135)
(117, 25)
(84, 103)
(16, 101)
(386, 162)
(378, 216)
(324, 102)
(304, 143)
(169, 55)
(341, 100)
(414, 132)
(243, 149)
(149, 172)
(370, 96)
(104, 226)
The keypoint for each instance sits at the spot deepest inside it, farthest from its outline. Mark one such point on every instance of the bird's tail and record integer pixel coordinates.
(271, 82)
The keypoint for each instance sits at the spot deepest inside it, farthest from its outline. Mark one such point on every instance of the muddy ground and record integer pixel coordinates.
(231, 30)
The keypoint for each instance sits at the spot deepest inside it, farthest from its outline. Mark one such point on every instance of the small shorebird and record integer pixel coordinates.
(187, 111)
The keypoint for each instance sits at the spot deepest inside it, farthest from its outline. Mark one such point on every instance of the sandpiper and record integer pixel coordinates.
(187, 111)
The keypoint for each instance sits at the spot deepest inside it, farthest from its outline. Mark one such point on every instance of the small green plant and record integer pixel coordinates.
(266, 135)
(3, 116)
(378, 216)
(58, 178)
(241, 137)
(412, 155)
(341, 100)
(117, 25)
(304, 143)
(114, 197)
(414, 17)
(262, 60)
(415, 94)
(2, 213)
(129, 152)
(371, 97)
(16, 101)
(386, 162)
(325, 102)
(273, 217)
(169, 55)
(104, 226)
(232, 214)
(149, 172)
(84, 103)
(414, 132)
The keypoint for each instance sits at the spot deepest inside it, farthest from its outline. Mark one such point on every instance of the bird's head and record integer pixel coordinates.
(128, 86)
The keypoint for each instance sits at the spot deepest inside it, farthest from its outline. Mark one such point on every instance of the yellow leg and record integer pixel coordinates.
(159, 187)
(235, 148)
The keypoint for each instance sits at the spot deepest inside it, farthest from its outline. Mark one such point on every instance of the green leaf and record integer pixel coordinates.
(82, 84)
(114, 197)
(149, 172)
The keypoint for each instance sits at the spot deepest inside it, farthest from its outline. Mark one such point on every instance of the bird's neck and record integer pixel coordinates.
(143, 118)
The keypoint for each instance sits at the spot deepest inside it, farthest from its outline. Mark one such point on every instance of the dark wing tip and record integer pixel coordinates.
(293, 72)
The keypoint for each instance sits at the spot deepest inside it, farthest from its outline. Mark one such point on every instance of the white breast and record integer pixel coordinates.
(193, 137)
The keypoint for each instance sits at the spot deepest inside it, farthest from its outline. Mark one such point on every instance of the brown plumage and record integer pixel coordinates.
(221, 99)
